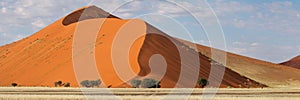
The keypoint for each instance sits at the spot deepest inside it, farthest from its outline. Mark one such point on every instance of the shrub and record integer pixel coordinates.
(135, 83)
(58, 83)
(67, 84)
(202, 82)
(86, 83)
(91, 83)
(248, 83)
(150, 83)
(261, 85)
(95, 82)
(14, 84)
(55, 84)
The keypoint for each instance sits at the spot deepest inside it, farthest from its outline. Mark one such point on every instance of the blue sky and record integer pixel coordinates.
(262, 29)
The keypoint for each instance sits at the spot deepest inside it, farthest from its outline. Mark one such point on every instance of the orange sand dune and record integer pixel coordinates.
(46, 56)
(66, 51)
(294, 62)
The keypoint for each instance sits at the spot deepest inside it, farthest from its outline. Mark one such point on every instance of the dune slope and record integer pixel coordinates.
(294, 62)
(267, 73)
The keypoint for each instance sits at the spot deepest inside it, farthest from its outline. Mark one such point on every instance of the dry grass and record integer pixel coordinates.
(43, 93)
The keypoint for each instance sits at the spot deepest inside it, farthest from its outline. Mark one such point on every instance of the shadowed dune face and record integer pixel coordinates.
(166, 47)
(157, 44)
(295, 62)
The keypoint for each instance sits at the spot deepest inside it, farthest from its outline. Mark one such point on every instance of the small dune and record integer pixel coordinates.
(294, 62)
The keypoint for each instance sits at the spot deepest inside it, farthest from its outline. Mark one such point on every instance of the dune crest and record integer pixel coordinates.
(90, 12)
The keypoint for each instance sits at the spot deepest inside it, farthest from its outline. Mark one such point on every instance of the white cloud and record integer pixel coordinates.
(267, 52)
(3, 10)
(278, 17)
(223, 7)
(39, 23)
(254, 44)
(239, 23)
(19, 11)
(245, 44)
(238, 43)
(240, 50)
(32, 15)
(18, 37)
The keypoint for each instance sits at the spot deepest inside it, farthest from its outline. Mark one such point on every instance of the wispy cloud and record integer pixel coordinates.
(264, 51)
(20, 18)
(275, 19)
(280, 17)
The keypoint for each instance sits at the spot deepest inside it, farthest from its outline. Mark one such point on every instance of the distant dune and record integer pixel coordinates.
(294, 62)
(273, 75)
(46, 56)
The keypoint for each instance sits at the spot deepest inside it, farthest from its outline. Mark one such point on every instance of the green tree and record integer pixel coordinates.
(86, 83)
(202, 82)
(96, 82)
(150, 83)
(67, 84)
(58, 83)
(135, 83)
(14, 84)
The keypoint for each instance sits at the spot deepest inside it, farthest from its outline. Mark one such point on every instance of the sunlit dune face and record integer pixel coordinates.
(116, 54)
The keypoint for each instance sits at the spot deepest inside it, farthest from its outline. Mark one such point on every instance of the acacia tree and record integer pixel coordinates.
(248, 83)
(150, 83)
(58, 83)
(86, 83)
(202, 82)
(67, 84)
(96, 82)
(14, 84)
(90, 83)
(135, 83)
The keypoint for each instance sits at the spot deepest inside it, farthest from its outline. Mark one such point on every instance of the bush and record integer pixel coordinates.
(14, 84)
(150, 83)
(95, 82)
(67, 84)
(90, 83)
(202, 82)
(248, 83)
(86, 83)
(135, 83)
(58, 83)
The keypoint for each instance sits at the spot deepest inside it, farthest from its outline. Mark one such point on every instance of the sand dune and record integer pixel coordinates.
(54, 53)
(267, 73)
(294, 62)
